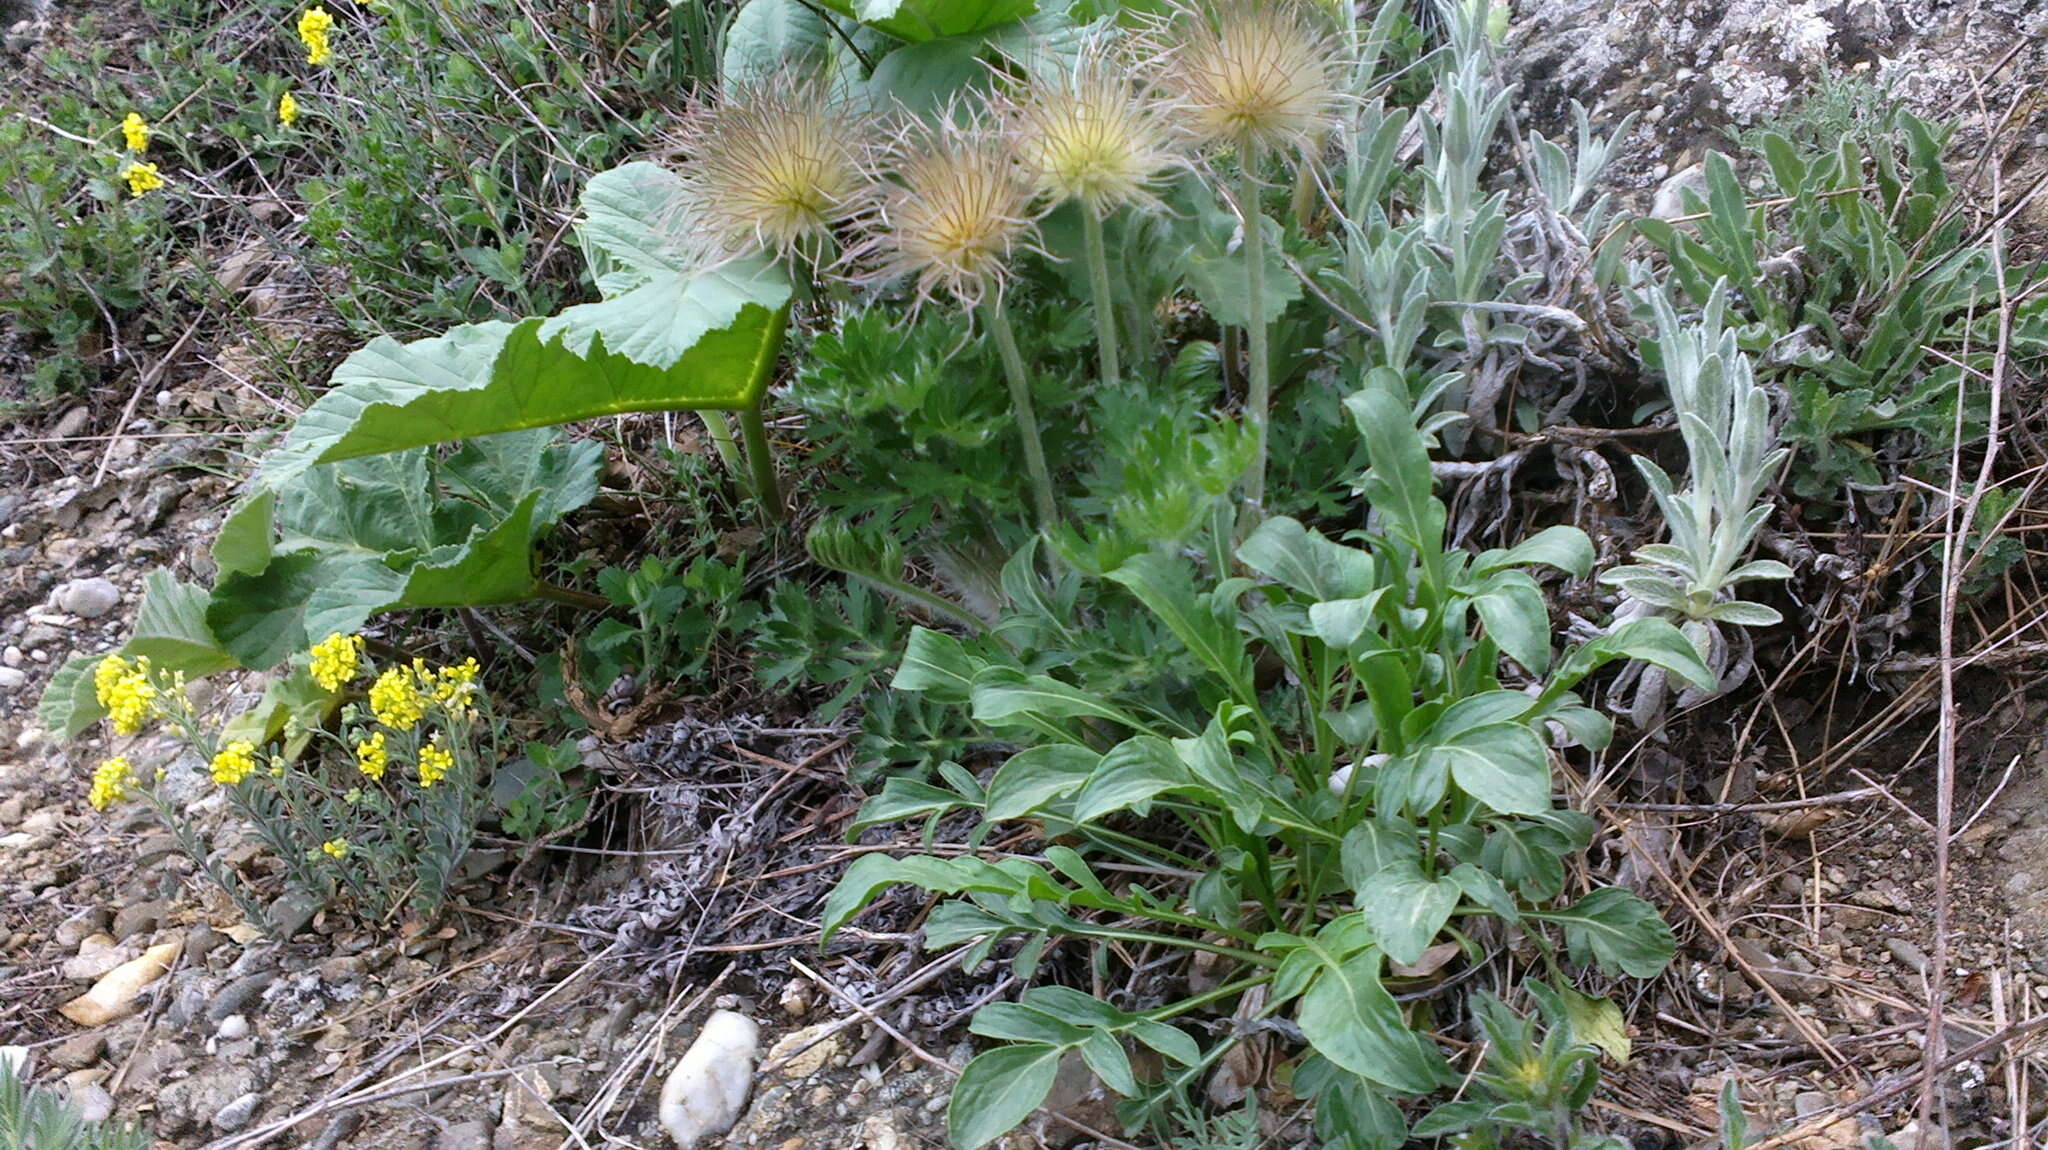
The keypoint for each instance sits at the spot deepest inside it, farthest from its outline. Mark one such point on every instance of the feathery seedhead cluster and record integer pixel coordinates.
(771, 165)
(952, 210)
(1090, 135)
(1257, 75)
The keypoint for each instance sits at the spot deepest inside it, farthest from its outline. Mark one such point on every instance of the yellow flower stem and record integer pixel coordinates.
(1105, 298)
(1259, 395)
(722, 441)
(1021, 407)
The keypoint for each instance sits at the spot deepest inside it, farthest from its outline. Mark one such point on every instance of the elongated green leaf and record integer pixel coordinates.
(1351, 1020)
(1205, 624)
(1371, 847)
(1133, 772)
(703, 341)
(1305, 560)
(1565, 548)
(998, 1089)
(871, 874)
(1038, 775)
(937, 664)
(244, 542)
(1017, 1022)
(1006, 693)
(1511, 606)
(1400, 484)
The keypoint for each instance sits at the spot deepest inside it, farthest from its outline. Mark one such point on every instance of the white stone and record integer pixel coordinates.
(707, 1090)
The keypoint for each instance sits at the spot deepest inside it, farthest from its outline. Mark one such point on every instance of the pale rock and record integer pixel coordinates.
(114, 995)
(708, 1088)
(802, 1053)
(87, 598)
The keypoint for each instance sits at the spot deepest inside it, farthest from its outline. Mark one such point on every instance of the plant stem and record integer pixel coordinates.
(1026, 414)
(1105, 299)
(728, 448)
(1259, 394)
(569, 597)
(762, 462)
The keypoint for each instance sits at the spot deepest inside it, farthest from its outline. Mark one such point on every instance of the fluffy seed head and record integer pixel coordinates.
(1090, 135)
(770, 166)
(1257, 74)
(954, 213)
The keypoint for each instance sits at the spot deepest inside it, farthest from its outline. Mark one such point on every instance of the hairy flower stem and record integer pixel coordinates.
(1105, 299)
(1259, 395)
(1020, 402)
(763, 463)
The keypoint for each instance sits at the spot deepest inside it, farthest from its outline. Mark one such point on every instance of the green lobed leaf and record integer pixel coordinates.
(171, 629)
(707, 340)
(920, 20)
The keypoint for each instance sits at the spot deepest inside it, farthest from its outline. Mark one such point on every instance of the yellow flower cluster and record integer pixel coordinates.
(335, 657)
(135, 133)
(435, 763)
(288, 114)
(235, 762)
(313, 29)
(125, 690)
(455, 687)
(371, 756)
(335, 848)
(110, 783)
(397, 700)
(142, 178)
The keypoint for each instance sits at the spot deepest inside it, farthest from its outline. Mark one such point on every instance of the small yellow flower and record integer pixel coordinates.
(125, 690)
(336, 656)
(142, 178)
(435, 763)
(135, 133)
(335, 848)
(372, 758)
(235, 762)
(455, 688)
(288, 114)
(110, 783)
(396, 700)
(313, 29)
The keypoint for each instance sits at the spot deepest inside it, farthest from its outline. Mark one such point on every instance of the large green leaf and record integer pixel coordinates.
(921, 20)
(702, 340)
(170, 629)
(630, 216)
